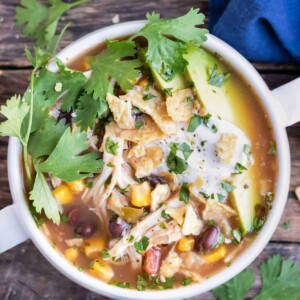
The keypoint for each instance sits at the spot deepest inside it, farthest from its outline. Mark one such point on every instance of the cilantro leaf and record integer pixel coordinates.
(165, 54)
(247, 151)
(235, 288)
(72, 84)
(25, 13)
(43, 199)
(40, 57)
(88, 109)
(66, 163)
(40, 21)
(142, 245)
(216, 79)
(15, 111)
(111, 146)
(110, 64)
(239, 168)
(228, 187)
(197, 120)
(186, 150)
(184, 194)
(176, 164)
(280, 279)
(43, 141)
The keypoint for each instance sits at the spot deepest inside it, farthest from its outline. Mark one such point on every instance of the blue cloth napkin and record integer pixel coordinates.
(262, 30)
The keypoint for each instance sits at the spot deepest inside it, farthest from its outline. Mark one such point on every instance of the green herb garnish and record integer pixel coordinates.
(216, 79)
(239, 168)
(228, 187)
(148, 97)
(142, 245)
(111, 146)
(184, 194)
(273, 148)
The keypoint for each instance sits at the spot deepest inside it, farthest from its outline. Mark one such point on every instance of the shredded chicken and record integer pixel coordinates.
(141, 228)
(116, 201)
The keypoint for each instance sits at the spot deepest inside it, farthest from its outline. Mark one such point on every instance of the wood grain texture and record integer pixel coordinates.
(24, 273)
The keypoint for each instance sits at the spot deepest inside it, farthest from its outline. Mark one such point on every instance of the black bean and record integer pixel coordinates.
(74, 215)
(117, 226)
(85, 229)
(210, 239)
(154, 180)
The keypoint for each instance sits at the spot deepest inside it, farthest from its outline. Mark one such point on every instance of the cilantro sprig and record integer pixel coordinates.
(111, 64)
(40, 21)
(164, 53)
(280, 280)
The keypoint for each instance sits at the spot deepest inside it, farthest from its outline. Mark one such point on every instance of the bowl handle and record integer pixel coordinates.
(11, 231)
(288, 100)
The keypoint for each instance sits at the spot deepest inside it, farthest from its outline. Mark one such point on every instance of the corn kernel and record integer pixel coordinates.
(141, 194)
(86, 65)
(101, 270)
(186, 244)
(71, 253)
(76, 186)
(63, 194)
(216, 255)
(93, 246)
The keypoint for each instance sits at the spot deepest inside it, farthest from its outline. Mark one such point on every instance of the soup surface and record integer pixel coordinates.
(154, 168)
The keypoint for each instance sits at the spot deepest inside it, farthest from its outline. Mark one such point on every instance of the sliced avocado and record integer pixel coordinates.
(213, 98)
(177, 83)
(243, 201)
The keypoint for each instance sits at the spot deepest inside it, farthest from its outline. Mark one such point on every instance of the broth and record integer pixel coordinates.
(254, 122)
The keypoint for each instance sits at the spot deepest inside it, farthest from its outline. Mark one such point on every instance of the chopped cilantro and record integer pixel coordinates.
(123, 285)
(273, 148)
(148, 96)
(184, 194)
(197, 120)
(186, 150)
(221, 197)
(111, 146)
(139, 124)
(259, 222)
(80, 269)
(164, 53)
(141, 283)
(65, 218)
(142, 245)
(239, 168)
(168, 284)
(162, 225)
(176, 164)
(165, 215)
(124, 190)
(131, 238)
(167, 91)
(111, 165)
(228, 187)
(211, 223)
(206, 196)
(214, 128)
(186, 281)
(105, 254)
(216, 79)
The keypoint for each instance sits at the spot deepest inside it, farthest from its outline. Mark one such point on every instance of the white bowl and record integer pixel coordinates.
(20, 225)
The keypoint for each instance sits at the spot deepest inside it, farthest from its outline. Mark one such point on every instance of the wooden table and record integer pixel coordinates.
(24, 273)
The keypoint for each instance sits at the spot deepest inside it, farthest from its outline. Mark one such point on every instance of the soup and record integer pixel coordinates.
(161, 177)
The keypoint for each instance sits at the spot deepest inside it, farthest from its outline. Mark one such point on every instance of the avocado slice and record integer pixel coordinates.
(175, 84)
(212, 98)
(243, 201)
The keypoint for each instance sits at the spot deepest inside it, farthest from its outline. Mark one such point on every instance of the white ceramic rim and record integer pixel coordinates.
(238, 63)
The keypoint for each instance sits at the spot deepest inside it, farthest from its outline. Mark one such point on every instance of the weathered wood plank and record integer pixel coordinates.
(25, 274)
(84, 19)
